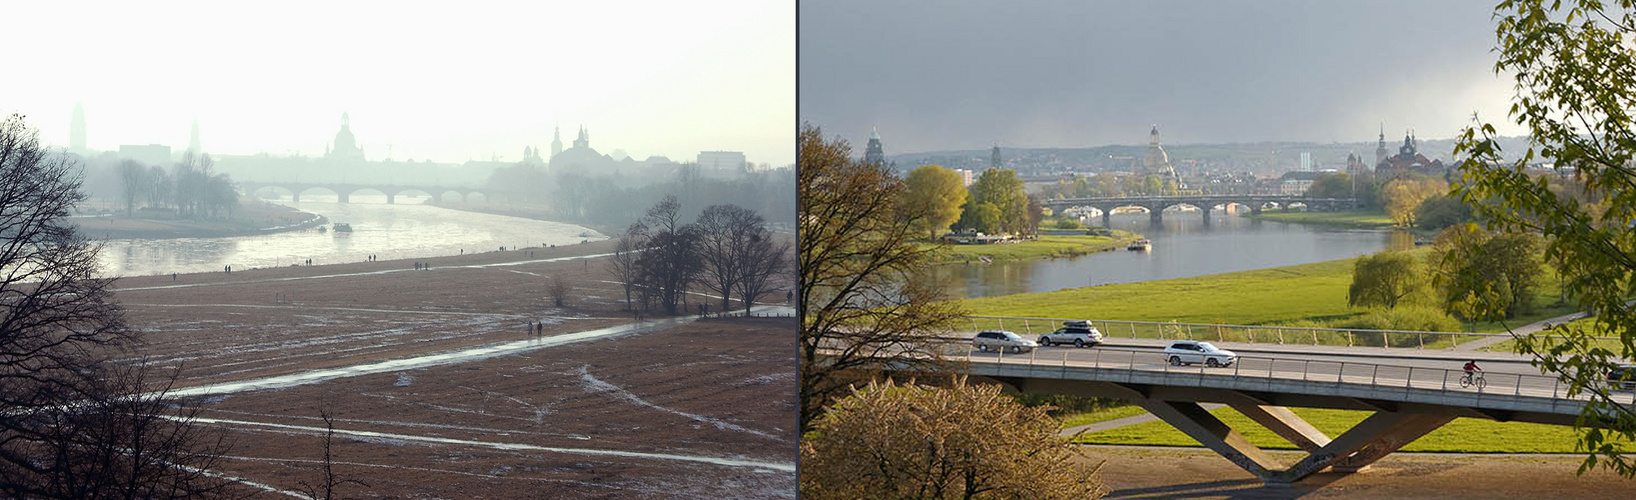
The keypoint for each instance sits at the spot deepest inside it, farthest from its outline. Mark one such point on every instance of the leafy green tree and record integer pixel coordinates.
(982, 217)
(1003, 189)
(863, 303)
(1384, 280)
(938, 193)
(1486, 275)
(1330, 185)
(1440, 211)
(1575, 74)
(961, 442)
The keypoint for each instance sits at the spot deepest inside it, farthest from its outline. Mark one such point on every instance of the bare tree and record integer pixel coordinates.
(725, 234)
(862, 304)
(669, 264)
(623, 261)
(764, 261)
(325, 489)
(74, 423)
(557, 289)
(132, 183)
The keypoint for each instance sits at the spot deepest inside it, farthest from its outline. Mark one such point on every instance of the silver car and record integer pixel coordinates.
(1078, 333)
(1187, 352)
(1000, 340)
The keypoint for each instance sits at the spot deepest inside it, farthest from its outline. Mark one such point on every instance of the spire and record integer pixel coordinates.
(193, 143)
(874, 133)
(76, 129)
(346, 120)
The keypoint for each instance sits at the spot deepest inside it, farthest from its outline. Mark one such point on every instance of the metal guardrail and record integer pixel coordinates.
(1307, 370)
(1240, 333)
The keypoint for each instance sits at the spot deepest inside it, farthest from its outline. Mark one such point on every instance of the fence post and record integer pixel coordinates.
(1340, 374)
(1133, 331)
(1189, 332)
(1422, 338)
(1098, 363)
(1373, 373)
(1349, 339)
(1218, 335)
(1314, 337)
(1554, 387)
(1026, 329)
(1002, 323)
(1445, 380)
(1409, 381)
(1280, 336)
(1456, 340)
(1519, 386)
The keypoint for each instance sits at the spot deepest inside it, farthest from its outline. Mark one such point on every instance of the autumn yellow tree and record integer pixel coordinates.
(911, 441)
(1405, 195)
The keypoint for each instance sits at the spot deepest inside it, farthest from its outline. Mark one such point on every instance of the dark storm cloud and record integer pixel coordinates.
(965, 75)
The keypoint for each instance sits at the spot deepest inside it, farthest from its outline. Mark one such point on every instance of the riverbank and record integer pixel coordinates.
(1305, 295)
(250, 219)
(1044, 247)
(1347, 219)
(532, 212)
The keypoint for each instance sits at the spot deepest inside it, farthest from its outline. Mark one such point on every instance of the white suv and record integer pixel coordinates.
(1078, 333)
(1187, 352)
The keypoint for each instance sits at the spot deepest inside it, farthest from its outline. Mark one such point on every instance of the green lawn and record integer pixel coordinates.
(1102, 415)
(1465, 435)
(1046, 247)
(1300, 295)
(1360, 219)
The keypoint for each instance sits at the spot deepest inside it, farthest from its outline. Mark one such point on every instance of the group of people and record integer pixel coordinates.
(536, 329)
(423, 266)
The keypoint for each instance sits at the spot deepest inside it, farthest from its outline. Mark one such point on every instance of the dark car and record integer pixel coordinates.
(1623, 377)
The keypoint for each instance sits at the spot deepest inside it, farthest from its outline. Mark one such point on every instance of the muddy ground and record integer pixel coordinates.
(1176, 473)
(705, 409)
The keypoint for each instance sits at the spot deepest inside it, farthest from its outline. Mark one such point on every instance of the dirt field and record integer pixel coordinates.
(1151, 473)
(701, 409)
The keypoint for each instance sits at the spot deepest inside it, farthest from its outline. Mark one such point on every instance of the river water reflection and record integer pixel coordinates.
(404, 230)
(1183, 246)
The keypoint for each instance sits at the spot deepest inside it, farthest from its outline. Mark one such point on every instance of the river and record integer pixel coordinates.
(404, 230)
(1183, 246)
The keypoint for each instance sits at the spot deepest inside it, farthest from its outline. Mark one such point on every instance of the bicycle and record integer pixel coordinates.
(1473, 378)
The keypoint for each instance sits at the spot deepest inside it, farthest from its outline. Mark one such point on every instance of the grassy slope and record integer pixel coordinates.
(1046, 247)
(1465, 435)
(1282, 295)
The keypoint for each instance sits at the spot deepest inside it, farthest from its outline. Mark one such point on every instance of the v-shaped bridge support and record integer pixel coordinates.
(1370, 440)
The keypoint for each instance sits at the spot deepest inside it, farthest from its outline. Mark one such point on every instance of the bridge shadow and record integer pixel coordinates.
(1235, 489)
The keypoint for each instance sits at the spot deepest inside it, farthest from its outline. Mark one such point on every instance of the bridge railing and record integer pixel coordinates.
(1271, 368)
(1258, 334)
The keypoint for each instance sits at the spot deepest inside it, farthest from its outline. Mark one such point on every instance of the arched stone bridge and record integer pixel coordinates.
(344, 191)
(1156, 205)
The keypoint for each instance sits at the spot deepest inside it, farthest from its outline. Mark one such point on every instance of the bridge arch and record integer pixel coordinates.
(312, 190)
(272, 192)
(365, 190)
(459, 195)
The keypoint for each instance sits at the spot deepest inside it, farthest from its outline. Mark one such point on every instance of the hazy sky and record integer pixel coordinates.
(447, 81)
(968, 75)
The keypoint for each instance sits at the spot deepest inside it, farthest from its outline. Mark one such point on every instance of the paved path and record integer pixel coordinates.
(1121, 422)
(1522, 330)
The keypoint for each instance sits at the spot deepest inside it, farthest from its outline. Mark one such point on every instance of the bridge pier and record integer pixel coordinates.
(1107, 218)
(342, 197)
(297, 197)
(391, 199)
(1206, 211)
(1155, 217)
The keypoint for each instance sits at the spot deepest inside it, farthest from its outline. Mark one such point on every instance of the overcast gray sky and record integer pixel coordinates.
(968, 75)
(447, 81)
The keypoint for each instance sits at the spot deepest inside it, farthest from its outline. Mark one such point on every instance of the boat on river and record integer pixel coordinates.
(342, 227)
(1141, 245)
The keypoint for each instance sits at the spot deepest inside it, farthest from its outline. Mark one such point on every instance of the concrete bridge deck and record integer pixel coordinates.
(1407, 401)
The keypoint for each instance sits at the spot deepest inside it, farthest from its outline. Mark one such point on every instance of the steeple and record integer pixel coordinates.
(193, 143)
(584, 140)
(556, 142)
(1153, 136)
(994, 158)
(873, 154)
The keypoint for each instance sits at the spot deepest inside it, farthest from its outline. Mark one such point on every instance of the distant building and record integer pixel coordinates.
(556, 142)
(994, 159)
(76, 130)
(1306, 161)
(1157, 161)
(151, 154)
(966, 177)
(1296, 183)
(1408, 160)
(1355, 167)
(721, 163)
(873, 154)
(345, 147)
(193, 145)
(581, 159)
(1380, 148)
